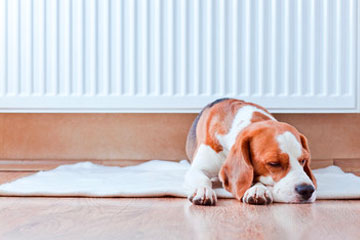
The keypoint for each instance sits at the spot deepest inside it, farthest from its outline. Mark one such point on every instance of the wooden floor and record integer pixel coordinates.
(171, 218)
(174, 218)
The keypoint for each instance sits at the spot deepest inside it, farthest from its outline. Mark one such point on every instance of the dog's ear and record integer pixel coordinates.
(307, 168)
(237, 172)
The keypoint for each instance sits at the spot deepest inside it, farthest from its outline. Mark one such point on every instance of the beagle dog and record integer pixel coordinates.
(257, 158)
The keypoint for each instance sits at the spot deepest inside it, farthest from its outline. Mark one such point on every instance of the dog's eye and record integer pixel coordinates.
(302, 162)
(274, 164)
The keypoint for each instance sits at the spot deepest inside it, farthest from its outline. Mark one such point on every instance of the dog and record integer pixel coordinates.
(256, 158)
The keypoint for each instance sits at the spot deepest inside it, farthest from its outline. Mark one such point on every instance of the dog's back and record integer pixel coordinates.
(191, 141)
(221, 110)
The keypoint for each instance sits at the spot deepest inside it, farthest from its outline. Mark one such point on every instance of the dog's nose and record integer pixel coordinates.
(305, 190)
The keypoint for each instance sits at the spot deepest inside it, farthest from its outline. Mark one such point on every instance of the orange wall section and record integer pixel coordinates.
(332, 137)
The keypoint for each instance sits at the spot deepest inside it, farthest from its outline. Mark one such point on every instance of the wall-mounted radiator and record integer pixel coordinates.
(177, 55)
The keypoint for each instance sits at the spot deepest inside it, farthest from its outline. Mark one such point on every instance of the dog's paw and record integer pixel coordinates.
(258, 195)
(203, 196)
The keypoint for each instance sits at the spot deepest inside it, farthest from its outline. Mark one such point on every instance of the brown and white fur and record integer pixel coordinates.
(257, 158)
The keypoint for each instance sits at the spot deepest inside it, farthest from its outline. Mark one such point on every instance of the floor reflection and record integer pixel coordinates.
(233, 219)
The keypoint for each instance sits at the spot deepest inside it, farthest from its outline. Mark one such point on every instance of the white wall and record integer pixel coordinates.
(177, 55)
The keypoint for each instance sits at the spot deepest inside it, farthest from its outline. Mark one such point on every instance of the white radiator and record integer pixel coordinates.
(177, 55)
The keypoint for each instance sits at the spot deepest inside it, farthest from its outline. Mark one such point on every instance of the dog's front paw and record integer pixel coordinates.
(203, 196)
(258, 195)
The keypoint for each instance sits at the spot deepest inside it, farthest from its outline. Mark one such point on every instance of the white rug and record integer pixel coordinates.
(151, 179)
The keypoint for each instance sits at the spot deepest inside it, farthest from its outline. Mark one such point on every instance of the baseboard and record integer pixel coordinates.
(39, 165)
(348, 165)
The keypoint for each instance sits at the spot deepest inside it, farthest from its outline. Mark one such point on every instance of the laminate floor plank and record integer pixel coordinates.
(8, 176)
(171, 218)
(174, 218)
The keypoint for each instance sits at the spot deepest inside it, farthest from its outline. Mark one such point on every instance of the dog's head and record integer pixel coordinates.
(272, 153)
